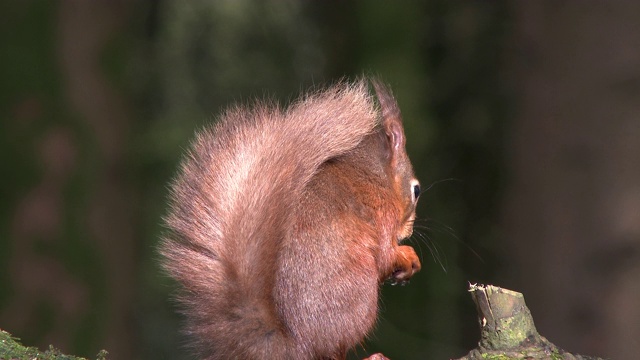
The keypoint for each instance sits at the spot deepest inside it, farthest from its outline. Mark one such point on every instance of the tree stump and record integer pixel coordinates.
(507, 330)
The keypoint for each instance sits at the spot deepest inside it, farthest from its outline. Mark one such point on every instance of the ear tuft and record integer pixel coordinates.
(391, 118)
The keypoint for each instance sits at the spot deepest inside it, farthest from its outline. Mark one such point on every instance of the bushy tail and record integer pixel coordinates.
(231, 205)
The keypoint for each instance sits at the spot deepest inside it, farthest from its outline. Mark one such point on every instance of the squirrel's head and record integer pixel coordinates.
(398, 166)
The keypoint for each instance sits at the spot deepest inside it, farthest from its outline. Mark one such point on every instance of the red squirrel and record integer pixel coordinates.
(284, 223)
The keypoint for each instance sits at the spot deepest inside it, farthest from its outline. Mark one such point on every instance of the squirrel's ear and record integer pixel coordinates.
(391, 119)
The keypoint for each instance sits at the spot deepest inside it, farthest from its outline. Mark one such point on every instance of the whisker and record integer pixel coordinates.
(433, 250)
(428, 224)
(444, 228)
(441, 181)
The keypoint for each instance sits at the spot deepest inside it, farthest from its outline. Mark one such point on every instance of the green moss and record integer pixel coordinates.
(555, 355)
(495, 357)
(10, 348)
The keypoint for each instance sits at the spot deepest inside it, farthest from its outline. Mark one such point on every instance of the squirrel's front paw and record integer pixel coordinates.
(407, 264)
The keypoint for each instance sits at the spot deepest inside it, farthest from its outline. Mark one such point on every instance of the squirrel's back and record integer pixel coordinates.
(241, 245)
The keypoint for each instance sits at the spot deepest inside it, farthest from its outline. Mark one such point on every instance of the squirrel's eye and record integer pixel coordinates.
(415, 189)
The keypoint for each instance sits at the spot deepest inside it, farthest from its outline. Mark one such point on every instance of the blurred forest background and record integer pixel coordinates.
(523, 115)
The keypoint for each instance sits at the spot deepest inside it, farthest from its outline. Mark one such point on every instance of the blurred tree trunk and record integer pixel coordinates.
(85, 32)
(70, 239)
(573, 210)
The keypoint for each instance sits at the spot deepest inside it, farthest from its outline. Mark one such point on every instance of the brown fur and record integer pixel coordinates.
(284, 223)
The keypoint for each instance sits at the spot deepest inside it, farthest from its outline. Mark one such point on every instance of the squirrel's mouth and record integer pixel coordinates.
(405, 233)
(406, 229)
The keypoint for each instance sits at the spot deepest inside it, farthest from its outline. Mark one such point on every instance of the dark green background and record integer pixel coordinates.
(99, 101)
